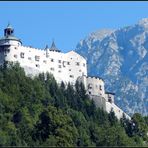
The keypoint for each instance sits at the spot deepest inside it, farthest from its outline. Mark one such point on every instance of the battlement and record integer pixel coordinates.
(95, 77)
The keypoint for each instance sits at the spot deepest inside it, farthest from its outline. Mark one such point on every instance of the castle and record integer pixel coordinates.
(67, 67)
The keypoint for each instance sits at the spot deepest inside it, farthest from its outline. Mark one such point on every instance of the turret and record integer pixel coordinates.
(53, 47)
(47, 51)
(8, 31)
(9, 39)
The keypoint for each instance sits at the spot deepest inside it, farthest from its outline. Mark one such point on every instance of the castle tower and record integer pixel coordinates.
(8, 31)
(9, 39)
(54, 48)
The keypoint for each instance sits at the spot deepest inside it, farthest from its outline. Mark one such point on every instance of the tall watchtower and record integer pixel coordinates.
(7, 43)
(9, 38)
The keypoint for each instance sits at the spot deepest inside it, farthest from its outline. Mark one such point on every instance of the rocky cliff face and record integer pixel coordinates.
(121, 58)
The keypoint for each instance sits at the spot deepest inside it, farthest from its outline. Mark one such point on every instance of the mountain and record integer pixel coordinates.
(120, 57)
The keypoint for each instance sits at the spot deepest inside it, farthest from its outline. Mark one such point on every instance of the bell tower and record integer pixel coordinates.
(9, 31)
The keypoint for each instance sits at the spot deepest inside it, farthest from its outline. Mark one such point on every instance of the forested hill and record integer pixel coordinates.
(38, 112)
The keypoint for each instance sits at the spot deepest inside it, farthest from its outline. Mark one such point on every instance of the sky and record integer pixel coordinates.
(37, 23)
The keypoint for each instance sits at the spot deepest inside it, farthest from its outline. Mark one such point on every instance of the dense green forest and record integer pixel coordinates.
(38, 112)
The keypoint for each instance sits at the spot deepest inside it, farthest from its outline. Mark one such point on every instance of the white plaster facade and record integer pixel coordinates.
(93, 85)
(66, 67)
(95, 89)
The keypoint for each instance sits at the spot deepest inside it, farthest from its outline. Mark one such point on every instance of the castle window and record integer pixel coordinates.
(89, 92)
(15, 47)
(69, 69)
(52, 68)
(29, 58)
(60, 66)
(52, 60)
(68, 63)
(22, 55)
(15, 56)
(59, 61)
(37, 58)
(100, 87)
(80, 70)
(59, 71)
(84, 64)
(110, 100)
(7, 50)
(45, 61)
(89, 86)
(71, 76)
(77, 63)
(37, 65)
(64, 63)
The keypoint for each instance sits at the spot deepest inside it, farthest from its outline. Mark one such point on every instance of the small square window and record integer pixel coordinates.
(15, 56)
(52, 60)
(71, 76)
(52, 68)
(77, 63)
(45, 61)
(68, 63)
(84, 64)
(60, 66)
(59, 61)
(29, 58)
(8, 50)
(37, 58)
(37, 65)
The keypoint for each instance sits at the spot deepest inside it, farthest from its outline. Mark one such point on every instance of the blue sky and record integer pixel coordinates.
(37, 23)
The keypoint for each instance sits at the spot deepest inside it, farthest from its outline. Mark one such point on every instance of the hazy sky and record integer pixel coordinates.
(37, 23)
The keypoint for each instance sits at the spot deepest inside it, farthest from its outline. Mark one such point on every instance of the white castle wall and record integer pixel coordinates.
(65, 67)
(10, 42)
(118, 112)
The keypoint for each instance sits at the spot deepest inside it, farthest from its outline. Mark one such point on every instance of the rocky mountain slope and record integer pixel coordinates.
(120, 57)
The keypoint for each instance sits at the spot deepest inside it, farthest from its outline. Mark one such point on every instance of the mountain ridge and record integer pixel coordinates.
(120, 57)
